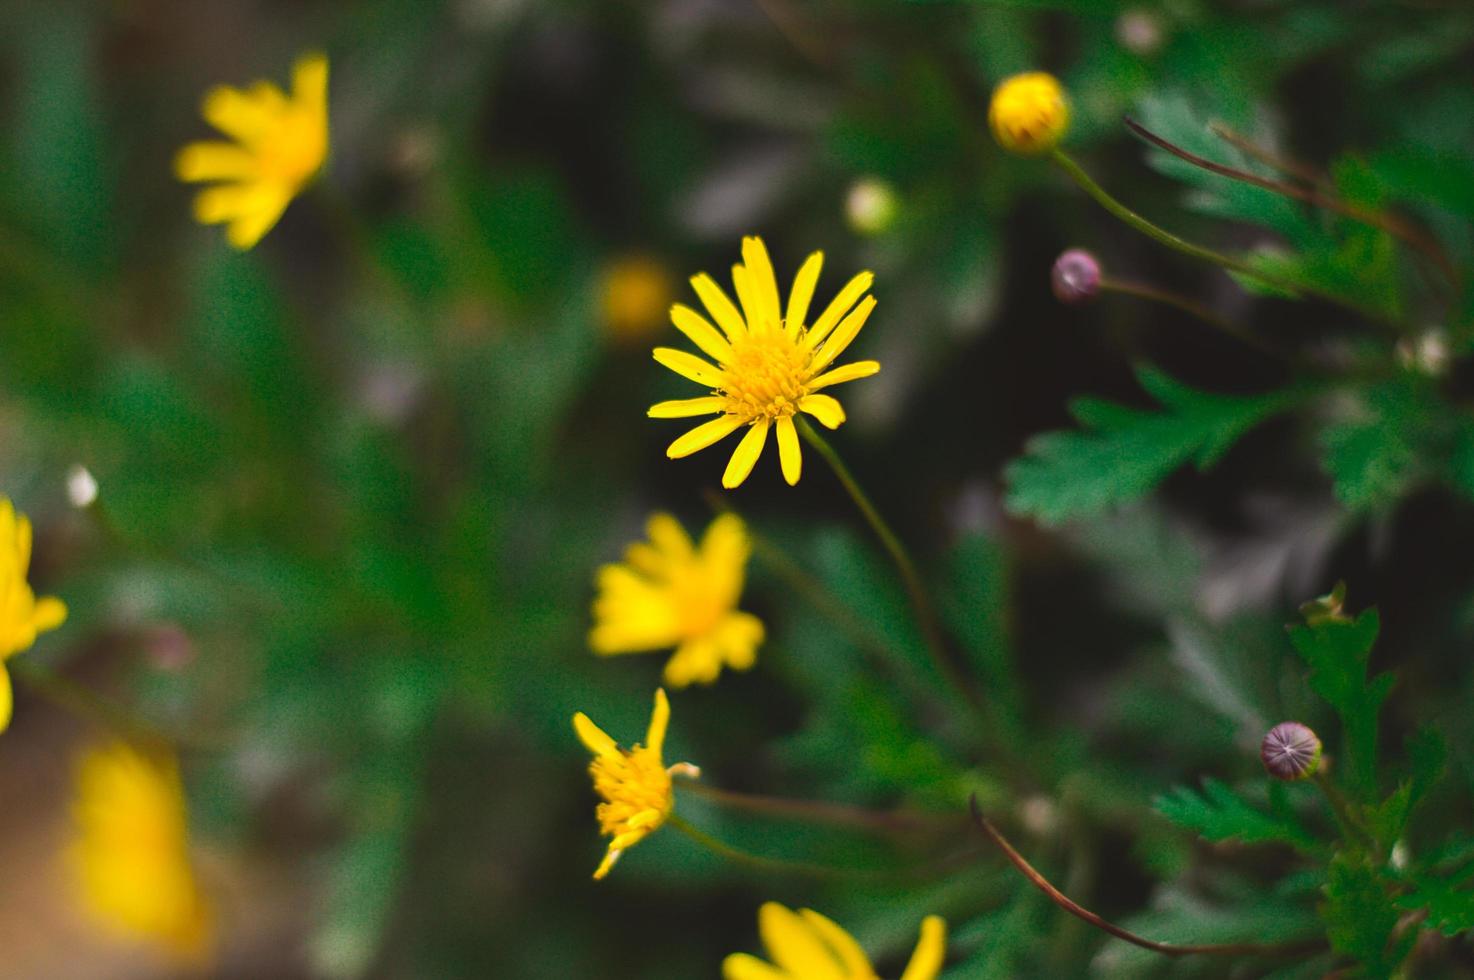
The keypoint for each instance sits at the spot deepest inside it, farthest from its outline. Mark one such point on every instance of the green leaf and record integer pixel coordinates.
(1361, 917)
(1449, 903)
(1383, 449)
(1220, 814)
(1427, 756)
(1126, 452)
(1338, 651)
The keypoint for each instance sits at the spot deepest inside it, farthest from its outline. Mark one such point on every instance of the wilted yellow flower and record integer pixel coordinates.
(634, 293)
(772, 364)
(634, 783)
(1029, 113)
(280, 143)
(22, 615)
(670, 593)
(131, 856)
(808, 946)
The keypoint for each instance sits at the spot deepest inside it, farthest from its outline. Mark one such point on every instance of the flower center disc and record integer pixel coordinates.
(766, 376)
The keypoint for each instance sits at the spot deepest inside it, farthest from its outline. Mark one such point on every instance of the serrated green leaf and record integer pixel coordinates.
(1338, 651)
(1427, 755)
(1384, 449)
(1448, 902)
(1127, 451)
(1220, 814)
(1361, 918)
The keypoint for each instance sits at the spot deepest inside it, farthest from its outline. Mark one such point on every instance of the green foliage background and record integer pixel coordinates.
(371, 466)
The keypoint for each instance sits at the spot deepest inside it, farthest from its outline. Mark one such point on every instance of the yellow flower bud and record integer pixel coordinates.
(1029, 114)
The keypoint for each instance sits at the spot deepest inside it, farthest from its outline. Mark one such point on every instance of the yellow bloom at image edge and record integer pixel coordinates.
(278, 142)
(635, 783)
(670, 593)
(805, 945)
(771, 362)
(1029, 113)
(131, 855)
(22, 615)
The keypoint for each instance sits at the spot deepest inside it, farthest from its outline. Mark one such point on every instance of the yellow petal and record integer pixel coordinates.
(593, 737)
(6, 697)
(719, 306)
(689, 366)
(247, 229)
(788, 452)
(931, 950)
(225, 203)
(245, 116)
(740, 966)
(694, 662)
(847, 372)
(666, 533)
(681, 408)
(761, 280)
(22, 544)
(744, 457)
(50, 612)
(701, 333)
(659, 722)
(856, 963)
(310, 82)
(704, 435)
(794, 946)
(610, 857)
(803, 292)
(215, 160)
(824, 408)
(747, 298)
(848, 329)
(837, 308)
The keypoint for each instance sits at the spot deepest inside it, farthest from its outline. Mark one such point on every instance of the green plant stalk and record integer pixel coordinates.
(925, 612)
(1353, 829)
(1153, 294)
(761, 862)
(66, 693)
(889, 822)
(1103, 197)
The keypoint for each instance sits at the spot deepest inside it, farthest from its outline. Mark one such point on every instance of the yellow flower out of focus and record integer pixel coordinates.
(770, 362)
(634, 294)
(279, 143)
(807, 946)
(634, 783)
(22, 615)
(131, 855)
(1029, 113)
(671, 593)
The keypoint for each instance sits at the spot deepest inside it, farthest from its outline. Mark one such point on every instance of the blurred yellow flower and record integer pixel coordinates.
(807, 946)
(22, 615)
(670, 593)
(634, 293)
(634, 783)
(131, 855)
(280, 143)
(772, 364)
(1029, 113)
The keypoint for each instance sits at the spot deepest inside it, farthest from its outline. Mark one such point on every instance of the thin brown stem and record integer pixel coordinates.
(1081, 912)
(1294, 168)
(1155, 294)
(815, 811)
(1389, 223)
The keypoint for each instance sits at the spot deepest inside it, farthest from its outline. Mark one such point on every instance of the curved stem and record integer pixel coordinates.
(82, 702)
(1190, 306)
(1391, 224)
(926, 613)
(762, 862)
(1081, 912)
(1130, 217)
(814, 811)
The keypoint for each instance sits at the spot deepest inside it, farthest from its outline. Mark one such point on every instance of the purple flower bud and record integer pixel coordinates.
(1075, 277)
(1290, 751)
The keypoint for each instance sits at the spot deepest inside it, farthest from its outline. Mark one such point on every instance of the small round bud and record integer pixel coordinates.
(1290, 751)
(1075, 277)
(1029, 114)
(81, 487)
(635, 297)
(871, 206)
(1139, 31)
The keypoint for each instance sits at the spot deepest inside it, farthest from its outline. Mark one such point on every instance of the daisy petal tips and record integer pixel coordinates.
(770, 361)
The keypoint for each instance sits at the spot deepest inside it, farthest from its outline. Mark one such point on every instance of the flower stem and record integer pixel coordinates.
(80, 701)
(1103, 197)
(1192, 307)
(1080, 912)
(925, 612)
(761, 862)
(815, 811)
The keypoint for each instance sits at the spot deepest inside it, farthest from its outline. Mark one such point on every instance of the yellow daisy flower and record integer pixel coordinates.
(280, 143)
(1029, 113)
(634, 783)
(22, 615)
(771, 364)
(131, 855)
(807, 946)
(670, 593)
(634, 293)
